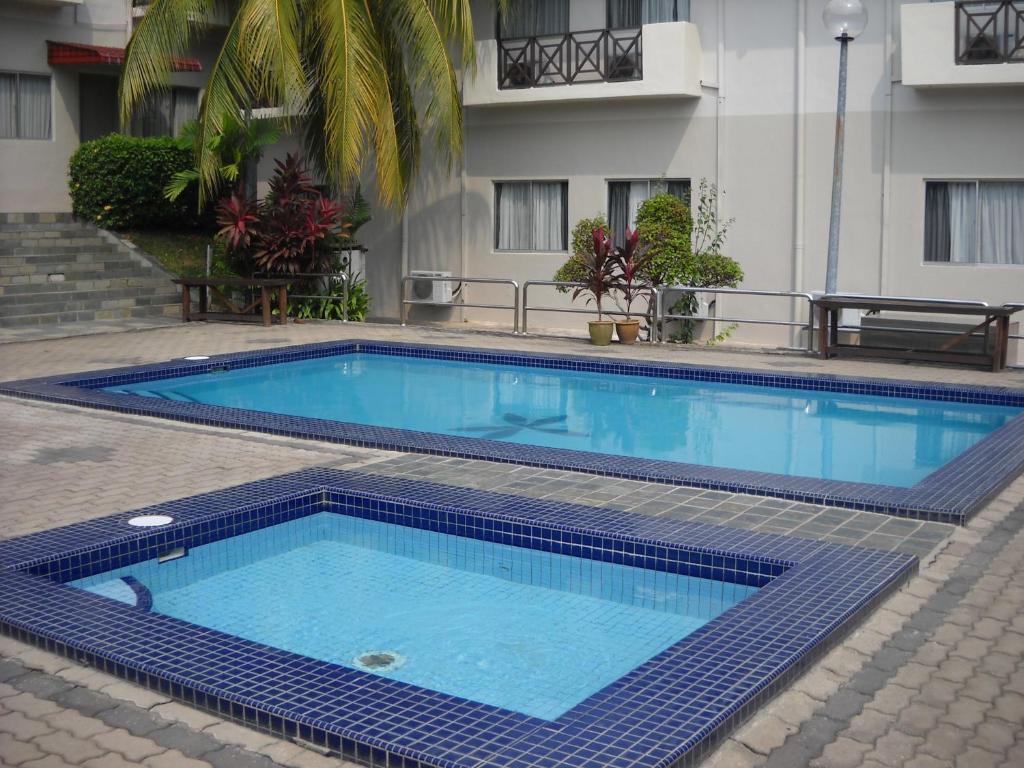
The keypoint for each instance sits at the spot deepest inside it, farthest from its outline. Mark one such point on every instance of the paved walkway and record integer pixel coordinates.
(935, 677)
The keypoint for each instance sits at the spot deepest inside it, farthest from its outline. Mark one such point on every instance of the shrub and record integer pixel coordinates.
(582, 242)
(117, 182)
(664, 224)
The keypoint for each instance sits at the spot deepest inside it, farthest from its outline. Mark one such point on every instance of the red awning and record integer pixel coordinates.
(80, 53)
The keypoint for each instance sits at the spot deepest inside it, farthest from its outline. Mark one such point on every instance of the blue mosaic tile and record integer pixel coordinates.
(949, 495)
(665, 712)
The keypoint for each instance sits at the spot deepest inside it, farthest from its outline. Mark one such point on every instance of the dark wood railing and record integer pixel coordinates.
(989, 31)
(600, 55)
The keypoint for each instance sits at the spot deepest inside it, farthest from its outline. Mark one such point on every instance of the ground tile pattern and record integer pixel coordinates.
(65, 464)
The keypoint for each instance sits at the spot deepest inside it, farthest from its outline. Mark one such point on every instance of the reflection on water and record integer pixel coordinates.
(792, 432)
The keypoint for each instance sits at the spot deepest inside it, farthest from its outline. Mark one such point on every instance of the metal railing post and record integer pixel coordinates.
(515, 308)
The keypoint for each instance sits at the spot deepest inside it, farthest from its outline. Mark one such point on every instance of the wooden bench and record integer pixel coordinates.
(212, 287)
(992, 355)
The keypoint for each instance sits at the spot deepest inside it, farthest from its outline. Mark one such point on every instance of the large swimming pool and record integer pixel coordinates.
(819, 434)
(927, 450)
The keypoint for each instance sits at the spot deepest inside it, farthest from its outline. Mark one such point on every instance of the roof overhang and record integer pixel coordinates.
(80, 53)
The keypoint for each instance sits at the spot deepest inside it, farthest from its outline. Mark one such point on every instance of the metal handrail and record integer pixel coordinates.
(568, 284)
(661, 316)
(406, 302)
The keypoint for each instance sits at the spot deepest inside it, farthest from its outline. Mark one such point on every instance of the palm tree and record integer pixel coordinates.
(364, 77)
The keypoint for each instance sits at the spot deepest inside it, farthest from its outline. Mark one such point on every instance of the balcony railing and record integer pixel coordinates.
(989, 31)
(600, 55)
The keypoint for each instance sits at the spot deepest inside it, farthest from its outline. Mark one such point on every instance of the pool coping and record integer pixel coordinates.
(669, 711)
(951, 494)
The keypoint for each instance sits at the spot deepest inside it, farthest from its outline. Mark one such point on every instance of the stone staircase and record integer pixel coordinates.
(54, 269)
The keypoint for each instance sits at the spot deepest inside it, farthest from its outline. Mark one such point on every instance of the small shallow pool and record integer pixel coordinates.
(382, 619)
(531, 631)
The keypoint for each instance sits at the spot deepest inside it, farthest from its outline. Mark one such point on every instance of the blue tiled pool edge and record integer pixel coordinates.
(667, 712)
(949, 495)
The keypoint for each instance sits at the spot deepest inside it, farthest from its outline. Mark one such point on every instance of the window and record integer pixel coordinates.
(974, 222)
(533, 18)
(625, 14)
(24, 106)
(531, 216)
(625, 197)
(164, 113)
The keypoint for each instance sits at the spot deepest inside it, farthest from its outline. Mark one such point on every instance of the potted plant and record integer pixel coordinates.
(598, 272)
(631, 261)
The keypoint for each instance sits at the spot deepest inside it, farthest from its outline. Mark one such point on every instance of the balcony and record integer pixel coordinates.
(964, 43)
(656, 60)
(218, 17)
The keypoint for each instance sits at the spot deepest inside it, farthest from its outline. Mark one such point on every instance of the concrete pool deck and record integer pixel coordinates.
(935, 677)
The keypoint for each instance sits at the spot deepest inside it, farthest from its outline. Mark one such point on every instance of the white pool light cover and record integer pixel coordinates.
(197, 357)
(150, 521)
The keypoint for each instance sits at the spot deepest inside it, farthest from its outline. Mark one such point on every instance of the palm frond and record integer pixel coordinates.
(164, 34)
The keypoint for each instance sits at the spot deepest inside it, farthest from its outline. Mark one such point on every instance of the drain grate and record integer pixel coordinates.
(379, 661)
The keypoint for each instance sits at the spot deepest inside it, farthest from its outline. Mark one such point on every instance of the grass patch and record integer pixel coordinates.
(181, 253)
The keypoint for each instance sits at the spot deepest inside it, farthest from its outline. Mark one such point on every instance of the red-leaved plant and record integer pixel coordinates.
(631, 261)
(291, 231)
(598, 268)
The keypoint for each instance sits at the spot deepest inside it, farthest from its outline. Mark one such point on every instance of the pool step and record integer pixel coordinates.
(57, 270)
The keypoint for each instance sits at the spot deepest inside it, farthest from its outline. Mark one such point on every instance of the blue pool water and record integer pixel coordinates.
(835, 436)
(526, 630)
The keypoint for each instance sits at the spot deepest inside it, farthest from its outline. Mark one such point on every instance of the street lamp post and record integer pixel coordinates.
(844, 20)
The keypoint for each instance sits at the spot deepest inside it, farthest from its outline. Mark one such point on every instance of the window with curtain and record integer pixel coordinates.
(625, 197)
(25, 110)
(533, 18)
(974, 222)
(531, 216)
(626, 14)
(164, 113)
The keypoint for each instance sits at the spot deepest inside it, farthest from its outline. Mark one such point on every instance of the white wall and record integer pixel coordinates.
(742, 132)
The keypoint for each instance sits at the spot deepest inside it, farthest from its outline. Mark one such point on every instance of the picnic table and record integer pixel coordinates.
(213, 287)
(992, 355)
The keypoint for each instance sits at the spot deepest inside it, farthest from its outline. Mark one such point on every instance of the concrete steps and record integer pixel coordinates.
(56, 270)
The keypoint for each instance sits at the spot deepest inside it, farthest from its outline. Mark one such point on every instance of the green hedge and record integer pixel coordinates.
(117, 182)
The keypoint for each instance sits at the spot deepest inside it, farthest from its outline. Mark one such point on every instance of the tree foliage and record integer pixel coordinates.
(365, 78)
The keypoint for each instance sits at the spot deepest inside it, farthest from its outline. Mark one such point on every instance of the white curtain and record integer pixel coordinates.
(186, 107)
(531, 216)
(624, 14)
(1001, 222)
(513, 217)
(963, 208)
(8, 107)
(549, 216)
(533, 18)
(33, 107)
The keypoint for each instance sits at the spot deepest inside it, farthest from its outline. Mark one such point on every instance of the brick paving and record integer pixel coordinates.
(934, 677)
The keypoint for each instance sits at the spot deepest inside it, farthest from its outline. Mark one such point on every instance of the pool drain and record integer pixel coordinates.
(379, 661)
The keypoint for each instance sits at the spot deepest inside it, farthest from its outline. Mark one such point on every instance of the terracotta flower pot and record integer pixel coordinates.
(601, 332)
(627, 330)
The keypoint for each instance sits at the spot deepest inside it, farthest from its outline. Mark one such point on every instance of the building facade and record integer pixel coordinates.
(586, 106)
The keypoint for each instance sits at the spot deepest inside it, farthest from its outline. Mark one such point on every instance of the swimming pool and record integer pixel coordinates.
(930, 451)
(794, 599)
(445, 612)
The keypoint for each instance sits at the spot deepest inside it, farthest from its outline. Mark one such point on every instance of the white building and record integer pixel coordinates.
(743, 93)
(585, 106)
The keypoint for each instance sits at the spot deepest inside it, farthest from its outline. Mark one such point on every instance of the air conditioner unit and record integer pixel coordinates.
(431, 291)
